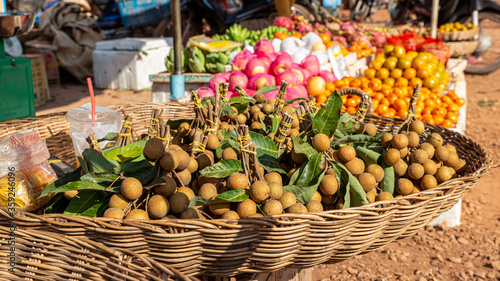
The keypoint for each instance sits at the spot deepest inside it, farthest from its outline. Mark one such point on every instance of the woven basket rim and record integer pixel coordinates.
(363, 209)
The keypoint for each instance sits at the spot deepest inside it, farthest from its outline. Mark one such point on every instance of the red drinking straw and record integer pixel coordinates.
(92, 99)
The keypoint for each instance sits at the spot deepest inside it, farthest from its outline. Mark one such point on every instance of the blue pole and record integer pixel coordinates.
(3, 6)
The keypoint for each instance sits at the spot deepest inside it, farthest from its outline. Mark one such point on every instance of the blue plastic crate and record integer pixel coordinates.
(142, 12)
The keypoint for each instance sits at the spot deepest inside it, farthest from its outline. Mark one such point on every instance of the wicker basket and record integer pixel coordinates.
(219, 247)
(462, 48)
(459, 35)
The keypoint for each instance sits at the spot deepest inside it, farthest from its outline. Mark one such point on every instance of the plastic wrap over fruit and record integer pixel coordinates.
(24, 171)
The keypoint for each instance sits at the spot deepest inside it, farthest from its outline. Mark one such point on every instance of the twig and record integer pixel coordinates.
(93, 143)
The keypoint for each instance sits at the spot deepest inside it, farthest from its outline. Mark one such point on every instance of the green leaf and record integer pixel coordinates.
(234, 196)
(57, 204)
(267, 152)
(346, 128)
(354, 194)
(275, 123)
(222, 169)
(241, 107)
(96, 162)
(358, 138)
(132, 166)
(225, 144)
(229, 135)
(226, 109)
(86, 203)
(264, 127)
(242, 100)
(368, 155)
(71, 177)
(327, 118)
(389, 182)
(80, 185)
(379, 135)
(104, 179)
(124, 154)
(109, 137)
(141, 143)
(83, 164)
(306, 180)
(154, 182)
(266, 89)
(146, 175)
(300, 146)
(174, 124)
(292, 100)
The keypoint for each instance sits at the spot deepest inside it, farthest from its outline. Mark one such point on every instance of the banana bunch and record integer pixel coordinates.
(197, 61)
(169, 61)
(216, 62)
(237, 33)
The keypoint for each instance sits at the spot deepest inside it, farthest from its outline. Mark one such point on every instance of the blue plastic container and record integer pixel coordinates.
(142, 12)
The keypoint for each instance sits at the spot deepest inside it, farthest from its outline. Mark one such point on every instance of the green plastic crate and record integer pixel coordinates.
(16, 89)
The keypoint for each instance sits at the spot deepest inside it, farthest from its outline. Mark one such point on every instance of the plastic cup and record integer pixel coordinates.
(80, 118)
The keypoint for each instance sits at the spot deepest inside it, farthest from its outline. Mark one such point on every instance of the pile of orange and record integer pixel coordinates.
(392, 100)
(361, 49)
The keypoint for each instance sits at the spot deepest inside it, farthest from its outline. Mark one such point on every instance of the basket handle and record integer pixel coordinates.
(366, 101)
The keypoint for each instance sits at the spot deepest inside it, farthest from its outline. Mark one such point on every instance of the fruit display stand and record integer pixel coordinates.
(57, 246)
(160, 90)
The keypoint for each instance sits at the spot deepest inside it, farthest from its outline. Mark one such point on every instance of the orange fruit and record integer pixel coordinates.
(325, 38)
(459, 101)
(409, 73)
(439, 111)
(280, 35)
(378, 96)
(391, 63)
(452, 107)
(382, 108)
(369, 91)
(330, 86)
(389, 81)
(343, 109)
(362, 44)
(447, 124)
(392, 98)
(339, 83)
(415, 81)
(417, 63)
(351, 102)
(351, 110)
(404, 63)
(375, 84)
(430, 104)
(392, 112)
(452, 95)
(385, 101)
(396, 73)
(399, 51)
(401, 82)
(382, 73)
(355, 83)
(298, 35)
(321, 98)
(375, 104)
(438, 119)
(400, 104)
(402, 113)
(423, 72)
(428, 118)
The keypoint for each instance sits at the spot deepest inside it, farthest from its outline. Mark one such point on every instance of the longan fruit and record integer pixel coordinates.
(167, 189)
(183, 129)
(442, 153)
(158, 206)
(190, 214)
(400, 168)
(370, 196)
(188, 191)
(137, 214)
(427, 147)
(386, 139)
(413, 139)
(205, 160)
(207, 191)
(336, 157)
(346, 153)
(404, 186)
(452, 160)
(118, 201)
(174, 147)
(131, 188)
(237, 181)
(179, 202)
(259, 191)
(417, 127)
(383, 196)
(276, 190)
(451, 148)
(430, 167)
(435, 140)
(443, 174)
(268, 108)
(370, 129)
(212, 142)
(376, 171)
(154, 149)
(329, 185)
(367, 181)
(428, 182)
(316, 197)
(230, 215)
(321, 142)
(229, 153)
(329, 199)
(416, 171)
(356, 166)
(193, 165)
(274, 177)
(295, 122)
(330, 171)
(70, 194)
(255, 109)
(184, 177)
(260, 98)
(288, 199)
(392, 156)
(419, 156)
(256, 215)
(241, 118)
(169, 161)
(314, 206)
(246, 208)
(298, 158)
(297, 208)
(219, 209)
(399, 141)
(293, 132)
(184, 160)
(403, 152)
(461, 166)
(359, 128)
(114, 213)
(272, 207)
(256, 115)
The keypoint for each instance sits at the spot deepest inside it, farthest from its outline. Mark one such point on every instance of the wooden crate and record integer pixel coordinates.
(40, 82)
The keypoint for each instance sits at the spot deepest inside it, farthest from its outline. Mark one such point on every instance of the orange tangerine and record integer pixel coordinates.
(409, 73)
(321, 98)
(401, 82)
(355, 83)
(383, 73)
(452, 107)
(459, 101)
(385, 101)
(396, 73)
(400, 104)
(378, 96)
(402, 113)
(453, 117)
(415, 81)
(382, 108)
(428, 118)
(352, 110)
(438, 119)
(389, 81)
(392, 112)
(447, 124)
(430, 103)
(375, 84)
